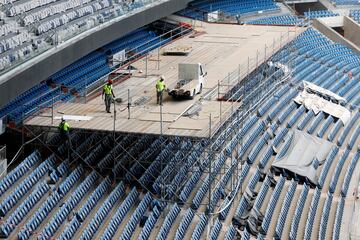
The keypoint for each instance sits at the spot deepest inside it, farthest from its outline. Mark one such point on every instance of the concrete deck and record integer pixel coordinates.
(221, 50)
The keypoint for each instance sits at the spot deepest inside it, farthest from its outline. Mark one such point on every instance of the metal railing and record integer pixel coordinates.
(240, 74)
(2, 152)
(89, 89)
(160, 41)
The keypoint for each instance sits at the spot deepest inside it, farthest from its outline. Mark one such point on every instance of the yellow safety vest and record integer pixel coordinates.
(160, 86)
(107, 89)
(64, 126)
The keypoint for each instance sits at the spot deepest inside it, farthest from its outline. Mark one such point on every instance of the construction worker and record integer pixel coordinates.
(64, 128)
(160, 88)
(109, 94)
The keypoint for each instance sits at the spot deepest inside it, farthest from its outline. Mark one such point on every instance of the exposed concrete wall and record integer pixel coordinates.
(352, 31)
(333, 22)
(333, 35)
(39, 69)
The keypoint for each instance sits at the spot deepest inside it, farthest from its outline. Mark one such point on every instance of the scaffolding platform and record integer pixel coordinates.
(220, 50)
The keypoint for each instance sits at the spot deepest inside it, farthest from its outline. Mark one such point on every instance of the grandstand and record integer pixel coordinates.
(268, 150)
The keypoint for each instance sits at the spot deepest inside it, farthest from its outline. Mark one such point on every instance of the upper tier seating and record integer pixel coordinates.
(53, 21)
(198, 9)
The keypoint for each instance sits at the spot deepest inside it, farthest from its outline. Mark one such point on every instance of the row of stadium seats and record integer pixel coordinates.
(136, 217)
(25, 186)
(325, 216)
(42, 13)
(298, 211)
(184, 224)
(149, 225)
(93, 199)
(14, 41)
(285, 209)
(61, 215)
(120, 214)
(7, 28)
(215, 231)
(198, 9)
(199, 227)
(184, 147)
(169, 220)
(123, 144)
(45, 209)
(272, 203)
(282, 20)
(86, 208)
(103, 211)
(312, 212)
(20, 212)
(320, 14)
(70, 16)
(348, 174)
(161, 160)
(19, 171)
(355, 14)
(22, 7)
(134, 151)
(346, 2)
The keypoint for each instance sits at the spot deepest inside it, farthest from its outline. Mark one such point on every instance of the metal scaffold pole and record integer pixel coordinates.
(158, 57)
(209, 205)
(129, 105)
(146, 65)
(161, 119)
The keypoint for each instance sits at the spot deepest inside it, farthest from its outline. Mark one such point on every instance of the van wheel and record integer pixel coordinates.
(200, 88)
(193, 95)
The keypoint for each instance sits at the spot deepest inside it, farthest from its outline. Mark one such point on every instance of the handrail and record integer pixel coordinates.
(237, 76)
(2, 153)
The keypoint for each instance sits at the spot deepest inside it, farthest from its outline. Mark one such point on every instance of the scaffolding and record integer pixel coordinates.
(232, 89)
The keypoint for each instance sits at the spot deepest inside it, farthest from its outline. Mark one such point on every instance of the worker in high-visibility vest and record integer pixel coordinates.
(160, 88)
(64, 128)
(109, 94)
